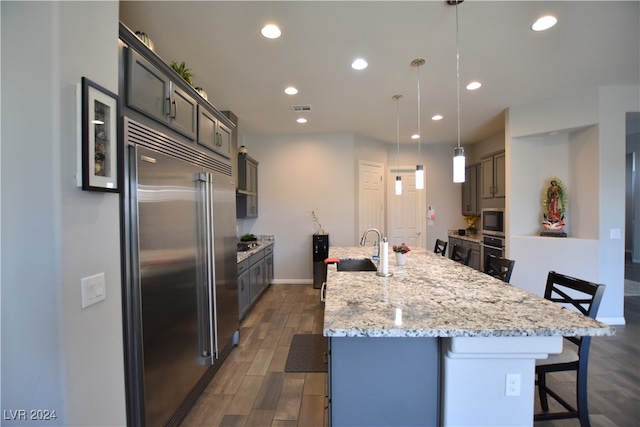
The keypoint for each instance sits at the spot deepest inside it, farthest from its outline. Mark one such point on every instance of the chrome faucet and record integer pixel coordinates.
(363, 240)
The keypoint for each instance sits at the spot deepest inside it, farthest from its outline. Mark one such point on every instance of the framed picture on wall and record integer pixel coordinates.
(100, 112)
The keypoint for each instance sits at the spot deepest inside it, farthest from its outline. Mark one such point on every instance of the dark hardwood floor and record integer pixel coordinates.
(252, 389)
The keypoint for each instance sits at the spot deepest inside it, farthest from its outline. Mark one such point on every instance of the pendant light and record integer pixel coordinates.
(458, 152)
(419, 168)
(398, 177)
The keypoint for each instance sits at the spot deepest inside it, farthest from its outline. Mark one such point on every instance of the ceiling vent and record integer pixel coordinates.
(301, 108)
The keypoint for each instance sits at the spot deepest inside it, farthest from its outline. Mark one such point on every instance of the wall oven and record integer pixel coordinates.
(493, 245)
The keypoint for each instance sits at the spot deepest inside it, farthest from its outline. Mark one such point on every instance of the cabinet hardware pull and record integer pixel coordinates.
(175, 109)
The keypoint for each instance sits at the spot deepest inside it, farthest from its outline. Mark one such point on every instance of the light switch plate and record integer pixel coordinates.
(93, 289)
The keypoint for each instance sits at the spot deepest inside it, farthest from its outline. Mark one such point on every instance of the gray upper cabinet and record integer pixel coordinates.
(470, 191)
(152, 93)
(147, 88)
(493, 176)
(212, 133)
(247, 193)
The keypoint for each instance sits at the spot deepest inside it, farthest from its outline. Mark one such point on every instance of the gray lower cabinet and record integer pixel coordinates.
(244, 299)
(475, 253)
(255, 274)
(366, 391)
(467, 244)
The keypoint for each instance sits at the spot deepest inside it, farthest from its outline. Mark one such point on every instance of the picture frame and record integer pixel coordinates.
(100, 132)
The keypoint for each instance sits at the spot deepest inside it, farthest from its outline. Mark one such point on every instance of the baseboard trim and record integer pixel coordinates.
(292, 281)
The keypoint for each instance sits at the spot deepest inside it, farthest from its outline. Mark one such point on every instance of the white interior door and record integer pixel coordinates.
(407, 212)
(371, 198)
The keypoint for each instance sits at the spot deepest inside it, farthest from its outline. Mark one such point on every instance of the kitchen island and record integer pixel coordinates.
(432, 344)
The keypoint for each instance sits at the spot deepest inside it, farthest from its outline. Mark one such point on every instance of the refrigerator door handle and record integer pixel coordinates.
(207, 302)
(211, 270)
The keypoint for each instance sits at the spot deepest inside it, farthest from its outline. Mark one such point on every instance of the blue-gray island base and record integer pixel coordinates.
(432, 344)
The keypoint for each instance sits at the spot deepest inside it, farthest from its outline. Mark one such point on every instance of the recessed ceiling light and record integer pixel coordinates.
(301, 120)
(291, 90)
(474, 85)
(437, 117)
(544, 23)
(271, 31)
(359, 64)
(415, 136)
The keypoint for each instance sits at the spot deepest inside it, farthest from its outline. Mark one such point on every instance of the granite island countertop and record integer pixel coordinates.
(432, 296)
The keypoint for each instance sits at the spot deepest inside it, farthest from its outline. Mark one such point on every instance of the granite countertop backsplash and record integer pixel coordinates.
(433, 296)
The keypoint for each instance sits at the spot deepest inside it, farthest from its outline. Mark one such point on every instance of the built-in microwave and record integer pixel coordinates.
(493, 221)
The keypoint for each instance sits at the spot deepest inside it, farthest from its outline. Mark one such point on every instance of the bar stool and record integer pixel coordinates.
(441, 247)
(500, 268)
(585, 297)
(458, 254)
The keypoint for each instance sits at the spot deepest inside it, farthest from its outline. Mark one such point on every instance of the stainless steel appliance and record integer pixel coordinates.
(493, 245)
(493, 221)
(181, 299)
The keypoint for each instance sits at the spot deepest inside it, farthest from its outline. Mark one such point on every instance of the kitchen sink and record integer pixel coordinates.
(361, 264)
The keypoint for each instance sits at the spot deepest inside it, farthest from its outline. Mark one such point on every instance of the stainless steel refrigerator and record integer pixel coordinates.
(181, 300)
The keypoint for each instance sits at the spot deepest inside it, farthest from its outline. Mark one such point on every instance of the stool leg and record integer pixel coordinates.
(542, 391)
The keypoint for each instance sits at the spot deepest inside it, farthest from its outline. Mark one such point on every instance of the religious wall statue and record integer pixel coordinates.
(554, 208)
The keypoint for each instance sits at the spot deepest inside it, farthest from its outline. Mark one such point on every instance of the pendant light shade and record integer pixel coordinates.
(458, 152)
(419, 168)
(419, 177)
(398, 177)
(458, 165)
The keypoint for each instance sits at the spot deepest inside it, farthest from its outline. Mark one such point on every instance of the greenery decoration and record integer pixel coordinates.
(183, 71)
(315, 219)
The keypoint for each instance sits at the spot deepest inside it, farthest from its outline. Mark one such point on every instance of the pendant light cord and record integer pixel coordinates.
(458, 73)
(398, 128)
(419, 131)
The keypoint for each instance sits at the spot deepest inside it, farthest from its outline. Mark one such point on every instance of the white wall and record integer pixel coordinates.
(56, 356)
(300, 173)
(590, 154)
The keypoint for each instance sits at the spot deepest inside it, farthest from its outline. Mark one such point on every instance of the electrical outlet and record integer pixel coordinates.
(512, 385)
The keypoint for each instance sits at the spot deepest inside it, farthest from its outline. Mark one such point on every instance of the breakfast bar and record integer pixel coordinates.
(433, 343)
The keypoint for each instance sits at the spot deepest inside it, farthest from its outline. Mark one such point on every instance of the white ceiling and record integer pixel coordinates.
(593, 44)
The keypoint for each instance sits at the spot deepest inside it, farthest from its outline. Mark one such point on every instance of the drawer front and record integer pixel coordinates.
(268, 250)
(257, 257)
(243, 266)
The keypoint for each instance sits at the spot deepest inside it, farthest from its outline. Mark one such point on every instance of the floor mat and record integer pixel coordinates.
(307, 354)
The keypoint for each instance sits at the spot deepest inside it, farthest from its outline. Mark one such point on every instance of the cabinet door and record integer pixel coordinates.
(183, 112)
(487, 178)
(252, 177)
(223, 146)
(470, 205)
(268, 265)
(475, 253)
(206, 129)
(499, 175)
(256, 273)
(243, 293)
(148, 88)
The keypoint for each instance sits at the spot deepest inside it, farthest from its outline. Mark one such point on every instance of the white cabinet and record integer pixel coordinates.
(493, 176)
